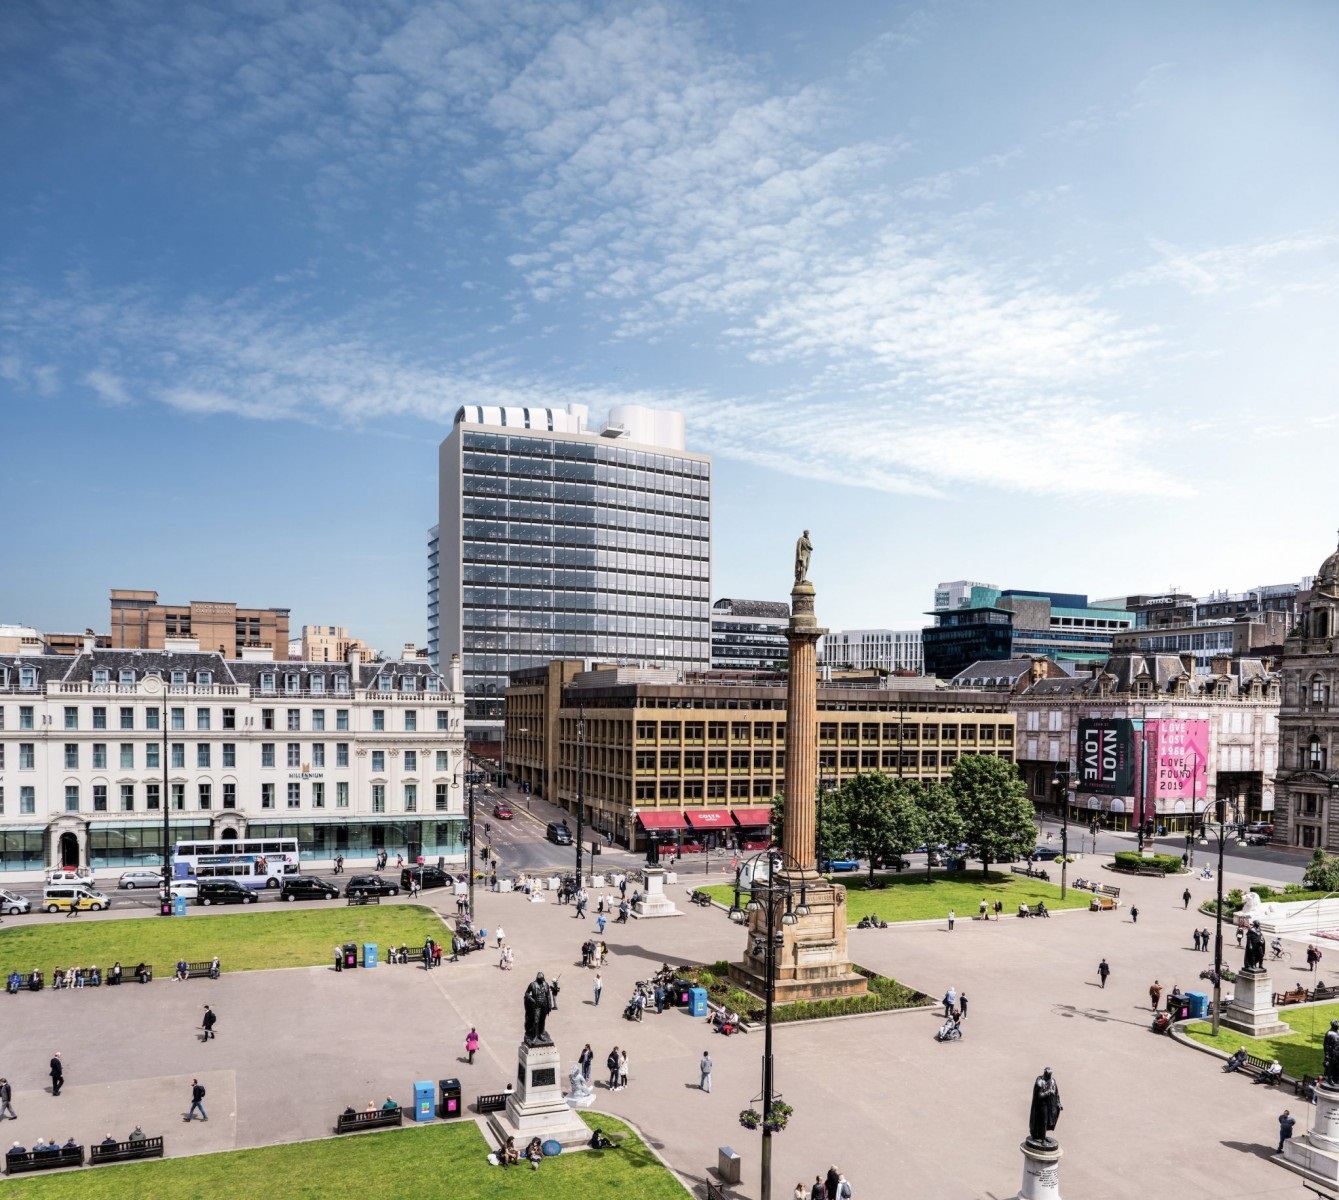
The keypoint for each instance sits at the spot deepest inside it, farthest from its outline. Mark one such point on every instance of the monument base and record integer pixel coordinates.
(1316, 1153)
(538, 1108)
(811, 959)
(655, 903)
(1251, 1010)
(1041, 1172)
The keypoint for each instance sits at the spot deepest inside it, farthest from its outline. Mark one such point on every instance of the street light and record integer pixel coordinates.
(581, 782)
(767, 896)
(1061, 779)
(1218, 913)
(469, 832)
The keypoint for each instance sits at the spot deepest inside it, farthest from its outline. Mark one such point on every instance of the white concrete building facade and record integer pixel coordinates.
(873, 650)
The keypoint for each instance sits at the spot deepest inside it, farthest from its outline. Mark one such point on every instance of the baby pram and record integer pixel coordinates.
(950, 1031)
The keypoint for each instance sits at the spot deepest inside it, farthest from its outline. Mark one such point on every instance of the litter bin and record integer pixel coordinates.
(350, 954)
(729, 1165)
(448, 1102)
(178, 906)
(369, 954)
(697, 1002)
(423, 1100)
(679, 993)
(1178, 1009)
(1198, 1003)
(165, 908)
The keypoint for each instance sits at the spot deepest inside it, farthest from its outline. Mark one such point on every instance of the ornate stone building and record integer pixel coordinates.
(1309, 719)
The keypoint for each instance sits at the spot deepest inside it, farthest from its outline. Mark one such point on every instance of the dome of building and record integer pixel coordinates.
(1327, 578)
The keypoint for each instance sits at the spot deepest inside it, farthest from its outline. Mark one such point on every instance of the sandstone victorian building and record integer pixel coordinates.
(1309, 719)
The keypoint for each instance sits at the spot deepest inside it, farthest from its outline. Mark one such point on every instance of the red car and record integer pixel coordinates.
(502, 812)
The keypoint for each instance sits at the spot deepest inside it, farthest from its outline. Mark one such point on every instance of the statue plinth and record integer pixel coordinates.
(654, 903)
(537, 1108)
(1251, 1010)
(1316, 1153)
(1041, 1170)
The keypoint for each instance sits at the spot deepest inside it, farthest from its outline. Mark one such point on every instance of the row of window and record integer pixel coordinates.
(204, 755)
(204, 718)
(204, 793)
(828, 731)
(293, 682)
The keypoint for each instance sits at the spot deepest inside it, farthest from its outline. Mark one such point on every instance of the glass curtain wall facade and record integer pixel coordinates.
(572, 546)
(434, 629)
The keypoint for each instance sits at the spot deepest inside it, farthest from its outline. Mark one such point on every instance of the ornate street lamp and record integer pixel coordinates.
(1061, 780)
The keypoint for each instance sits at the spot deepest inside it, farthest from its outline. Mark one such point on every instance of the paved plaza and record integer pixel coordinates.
(900, 1114)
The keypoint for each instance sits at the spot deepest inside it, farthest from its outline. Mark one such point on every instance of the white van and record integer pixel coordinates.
(80, 875)
(61, 897)
(11, 903)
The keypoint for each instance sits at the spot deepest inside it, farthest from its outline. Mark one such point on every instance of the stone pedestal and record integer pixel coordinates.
(537, 1108)
(654, 903)
(1041, 1172)
(1251, 1010)
(1316, 1153)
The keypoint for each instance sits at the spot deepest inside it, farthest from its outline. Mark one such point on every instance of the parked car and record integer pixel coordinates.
(225, 891)
(370, 885)
(140, 877)
(427, 877)
(61, 897)
(188, 889)
(558, 834)
(840, 864)
(307, 887)
(502, 811)
(81, 875)
(12, 904)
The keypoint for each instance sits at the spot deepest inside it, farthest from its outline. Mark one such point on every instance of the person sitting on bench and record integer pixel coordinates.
(1023, 910)
(16, 1151)
(1270, 1075)
(214, 968)
(390, 1105)
(15, 982)
(114, 975)
(142, 973)
(137, 1137)
(1042, 910)
(109, 1143)
(183, 969)
(1237, 1061)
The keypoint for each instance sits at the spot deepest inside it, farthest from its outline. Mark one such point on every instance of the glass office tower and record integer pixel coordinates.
(556, 542)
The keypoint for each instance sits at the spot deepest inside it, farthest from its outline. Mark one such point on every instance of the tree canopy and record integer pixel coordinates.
(998, 820)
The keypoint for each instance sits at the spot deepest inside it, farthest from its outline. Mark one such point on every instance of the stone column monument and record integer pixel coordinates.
(1041, 1152)
(1316, 1153)
(811, 961)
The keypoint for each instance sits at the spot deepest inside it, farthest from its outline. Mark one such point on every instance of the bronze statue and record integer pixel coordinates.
(1255, 949)
(1045, 1112)
(538, 1002)
(803, 549)
(1331, 1079)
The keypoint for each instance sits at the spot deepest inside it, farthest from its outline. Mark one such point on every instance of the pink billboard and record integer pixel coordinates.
(1178, 758)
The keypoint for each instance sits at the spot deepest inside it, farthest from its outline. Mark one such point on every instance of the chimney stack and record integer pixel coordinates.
(1188, 663)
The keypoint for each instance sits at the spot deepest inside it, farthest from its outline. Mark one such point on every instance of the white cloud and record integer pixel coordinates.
(109, 388)
(1304, 260)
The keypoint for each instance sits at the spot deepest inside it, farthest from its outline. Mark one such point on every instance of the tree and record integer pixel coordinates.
(877, 815)
(1322, 872)
(997, 817)
(940, 823)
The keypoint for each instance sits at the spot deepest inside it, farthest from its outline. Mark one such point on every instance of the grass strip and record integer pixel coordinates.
(1299, 1052)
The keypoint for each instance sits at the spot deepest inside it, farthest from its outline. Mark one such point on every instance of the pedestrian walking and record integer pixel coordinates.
(950, 999)
(197, 1101)
(1286, 1123)
(208, 1023)
(999, 908)
(471, 1043)
(599, 987)
(950, 920)
(1240, 934)
(500, 937)
(830, 1182)
(57, 1075)
(704, 1072)
(1155, 994)
(600, 923)
(962, 1006)
(1134, 914)
(6, 1095)
(585, 1058)
(816, 1192)
(612, 1064)
(1103, 971)
(1185, 898)
(844, 1188)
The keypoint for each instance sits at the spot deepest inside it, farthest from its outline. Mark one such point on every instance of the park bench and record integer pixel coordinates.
(1151, 871)
(1297, 995)
(364, 898)
(1303, 1087)
(19, 1164)
(1103, 904)
(125, 1151)
(196, 970)
(1107, 889)
(1256, 1067)
(25, 984)
(378, 1118)
(1324, 991)
(714, 1192)
(491, 1102)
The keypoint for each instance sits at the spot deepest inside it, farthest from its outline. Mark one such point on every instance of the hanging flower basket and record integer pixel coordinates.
(750, 1118)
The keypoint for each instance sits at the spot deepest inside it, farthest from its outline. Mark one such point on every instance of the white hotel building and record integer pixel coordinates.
(348, 757)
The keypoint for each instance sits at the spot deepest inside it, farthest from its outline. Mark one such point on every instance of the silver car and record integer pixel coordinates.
(140, 878)
(12, 905)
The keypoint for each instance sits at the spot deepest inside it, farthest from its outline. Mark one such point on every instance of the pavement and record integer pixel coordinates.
(900, 1114)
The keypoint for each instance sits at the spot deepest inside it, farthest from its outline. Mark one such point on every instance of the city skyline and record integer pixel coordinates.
(1043, 297)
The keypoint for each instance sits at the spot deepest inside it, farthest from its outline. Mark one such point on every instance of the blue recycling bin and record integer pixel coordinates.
(178, 906)
(369, 954)
(1199, 1004)
(425, 1097)
(697, 1002)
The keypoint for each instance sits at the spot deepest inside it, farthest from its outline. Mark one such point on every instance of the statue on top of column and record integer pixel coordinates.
(803, 549)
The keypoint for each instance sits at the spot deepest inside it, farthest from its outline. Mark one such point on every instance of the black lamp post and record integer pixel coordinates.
(469, 831)
(167, 827)
(1061, 780)
(775, 893)
(581, 783)
(1218, 914)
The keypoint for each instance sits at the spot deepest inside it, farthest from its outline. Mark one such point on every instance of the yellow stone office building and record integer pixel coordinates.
(683, 756)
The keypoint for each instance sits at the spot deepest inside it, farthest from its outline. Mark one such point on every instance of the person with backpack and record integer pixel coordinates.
(208, 1023)
(612, 1064)
(197, 1101)
(843, 1188)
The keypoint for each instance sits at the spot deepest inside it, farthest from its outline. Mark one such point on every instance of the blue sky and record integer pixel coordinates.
(1042, 294)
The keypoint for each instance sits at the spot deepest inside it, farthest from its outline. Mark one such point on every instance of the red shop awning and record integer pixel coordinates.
(669, 819)
(709, 818)
(752, 816)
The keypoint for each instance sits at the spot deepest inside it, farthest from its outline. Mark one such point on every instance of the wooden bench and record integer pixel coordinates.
(125, 1151)
(364, 898)
(1297, 995)
(1107, 889)
(1103, 904)
(1256, 1067)
(378, 1118)
(26, 984)
(714, 1192)
(1324, 991)
(19, 1164)
(1151, 871)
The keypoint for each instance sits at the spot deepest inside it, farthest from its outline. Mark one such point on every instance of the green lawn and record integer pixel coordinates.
(910, 896)
(246, 940)
(437, 1160)
(1299, 1052)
